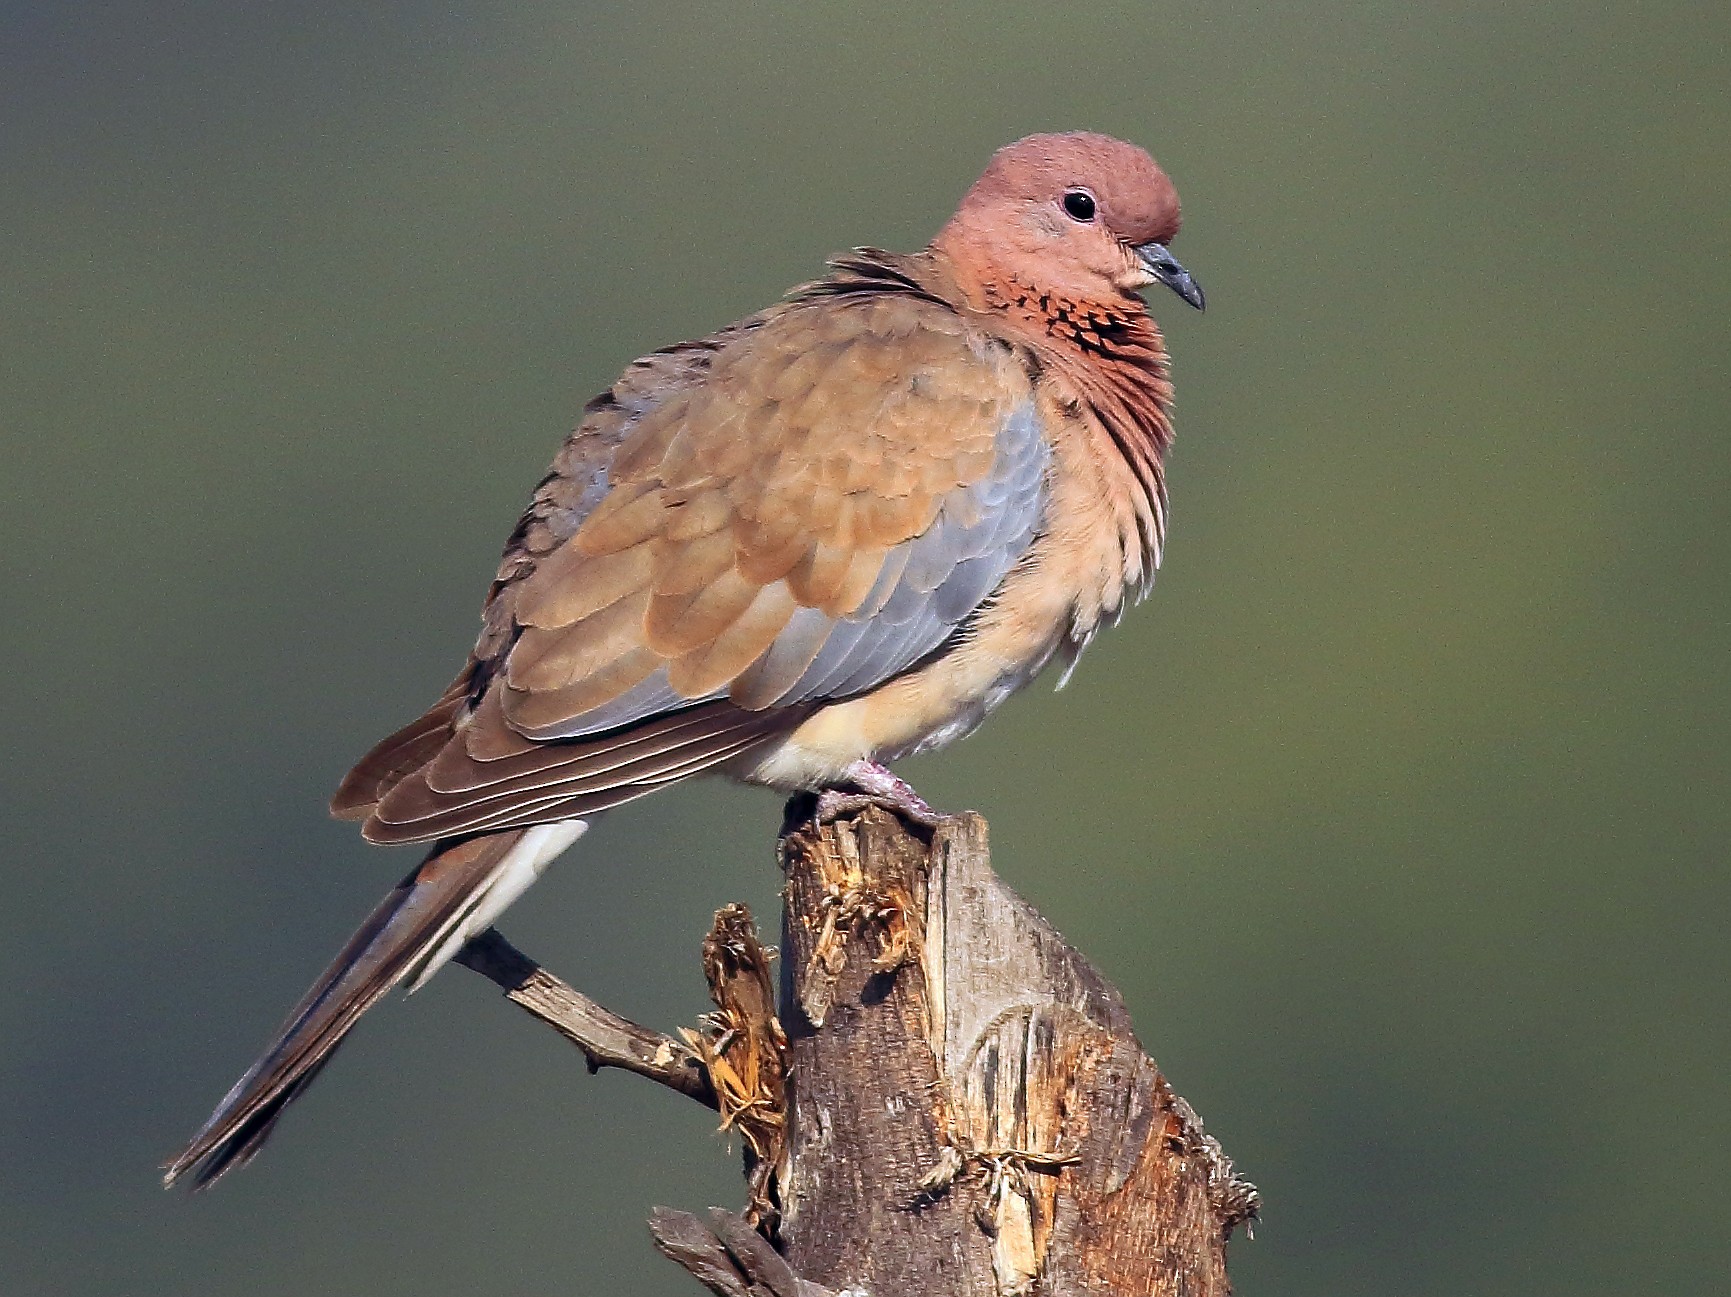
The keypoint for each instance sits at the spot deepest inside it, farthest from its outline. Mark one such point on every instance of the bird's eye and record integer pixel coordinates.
(1079, 205)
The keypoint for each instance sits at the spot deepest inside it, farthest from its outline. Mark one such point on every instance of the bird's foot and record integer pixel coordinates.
(866, 783)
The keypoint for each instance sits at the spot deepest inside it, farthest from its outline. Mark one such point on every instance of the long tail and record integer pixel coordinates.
(453, 895)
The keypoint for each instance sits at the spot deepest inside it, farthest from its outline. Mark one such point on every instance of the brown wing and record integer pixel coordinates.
(573, 486)
(807, 513)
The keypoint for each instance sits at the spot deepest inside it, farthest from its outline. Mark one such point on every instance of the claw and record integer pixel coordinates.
(866, 783)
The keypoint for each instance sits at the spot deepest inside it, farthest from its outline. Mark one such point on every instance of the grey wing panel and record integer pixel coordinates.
(651, 697)
(940, 576)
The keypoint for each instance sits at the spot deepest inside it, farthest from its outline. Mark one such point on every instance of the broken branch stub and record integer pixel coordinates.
(606, 1039)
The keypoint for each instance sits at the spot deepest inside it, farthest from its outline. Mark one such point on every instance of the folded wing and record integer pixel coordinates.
(815, 503)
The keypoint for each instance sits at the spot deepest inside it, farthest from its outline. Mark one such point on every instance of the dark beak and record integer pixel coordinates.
(1165, 268)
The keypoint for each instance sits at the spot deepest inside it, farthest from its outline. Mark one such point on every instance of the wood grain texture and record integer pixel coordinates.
(969, 1111)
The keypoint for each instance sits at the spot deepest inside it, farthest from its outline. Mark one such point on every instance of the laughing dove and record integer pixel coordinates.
(835, 533)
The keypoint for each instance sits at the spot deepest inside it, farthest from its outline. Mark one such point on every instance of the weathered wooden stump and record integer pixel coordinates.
(950, 1100)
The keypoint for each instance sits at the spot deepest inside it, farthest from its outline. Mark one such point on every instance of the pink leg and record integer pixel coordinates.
(866, 783)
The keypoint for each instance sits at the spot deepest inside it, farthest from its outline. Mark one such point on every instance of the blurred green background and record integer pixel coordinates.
(1399, 814)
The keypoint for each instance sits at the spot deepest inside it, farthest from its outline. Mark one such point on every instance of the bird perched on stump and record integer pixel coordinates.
(835, 533)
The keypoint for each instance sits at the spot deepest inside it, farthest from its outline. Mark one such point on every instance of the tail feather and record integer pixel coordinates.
(456, 892)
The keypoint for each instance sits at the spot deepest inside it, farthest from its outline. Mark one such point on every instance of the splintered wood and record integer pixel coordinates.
(849, 908)
(744, 1051)
(968, 1110)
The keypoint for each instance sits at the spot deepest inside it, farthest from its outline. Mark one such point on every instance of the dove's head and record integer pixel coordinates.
(1080, 216)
